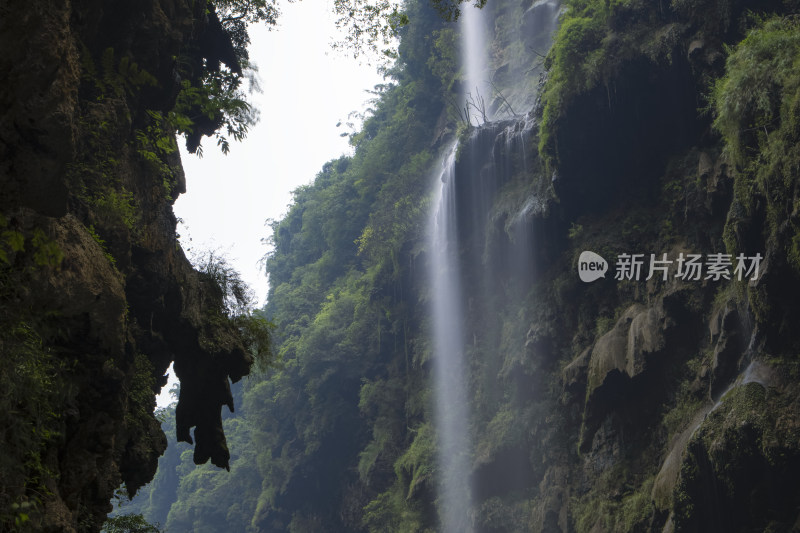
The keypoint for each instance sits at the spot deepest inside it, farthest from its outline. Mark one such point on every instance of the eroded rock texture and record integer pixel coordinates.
(654, 404)
(97, 297)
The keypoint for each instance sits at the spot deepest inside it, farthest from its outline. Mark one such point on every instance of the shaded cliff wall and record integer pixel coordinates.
(639, 405)
(97, 296)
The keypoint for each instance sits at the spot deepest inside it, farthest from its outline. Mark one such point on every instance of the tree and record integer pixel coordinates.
(212, 102)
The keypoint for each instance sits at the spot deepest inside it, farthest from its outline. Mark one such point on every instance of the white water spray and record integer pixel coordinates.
(474, 61)
(476, 189)
(452, 412)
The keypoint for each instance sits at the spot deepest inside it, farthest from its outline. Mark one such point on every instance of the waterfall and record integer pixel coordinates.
(474, 60)
(449, 362)
(457, 249)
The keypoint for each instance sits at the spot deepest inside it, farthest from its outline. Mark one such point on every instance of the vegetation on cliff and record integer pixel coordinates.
(621, 405)
(342, 258)
(97, 297)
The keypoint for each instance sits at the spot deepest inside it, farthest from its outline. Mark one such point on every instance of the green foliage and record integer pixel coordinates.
(232, 301)
(637, 508)
(416, 466)
(210, 102)
(12, 241)
(444, 59)
(574, 231)
(31, 381)
(369, 28)
(96, 175)
(337, 255)
(217, 99)
(756, 105)
(95, 169)
(142, 385)
(397, 220)
(631, 512)
(129, 523)
(688, 404)
(739, 432)
(337, 436)
(155, 142)
(756, 95)
(502, 431)
(251, 12)
(141, 397)
(505, 514)
(391, 511)
(577, 38)
(347, 381)
(256, 331)
(115, 78)
(46, 253)
(100, 241)
(595, 40)
(576, 48)
(116, 209)
(714, 16)
(233, 294)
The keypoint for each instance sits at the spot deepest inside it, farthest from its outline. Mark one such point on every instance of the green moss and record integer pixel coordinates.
(733, 438)
(637, 507)
(756, 105)
(630, 512)
(757, 92)
(46, 253)
(590, 511)
(576, 46)
(677, 418)
(588, 50)
(741, 405)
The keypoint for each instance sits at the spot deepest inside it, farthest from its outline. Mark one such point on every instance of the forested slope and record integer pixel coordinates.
(320, 433)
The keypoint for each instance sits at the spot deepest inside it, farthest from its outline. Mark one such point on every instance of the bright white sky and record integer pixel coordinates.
(307, 89)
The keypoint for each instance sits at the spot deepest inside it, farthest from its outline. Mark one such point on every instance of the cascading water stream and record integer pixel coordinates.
(461, 205)
(474, 59)
(449, 372)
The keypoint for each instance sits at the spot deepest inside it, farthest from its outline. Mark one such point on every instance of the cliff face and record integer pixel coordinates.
(668, 403)
(97, 296)
(630, 404)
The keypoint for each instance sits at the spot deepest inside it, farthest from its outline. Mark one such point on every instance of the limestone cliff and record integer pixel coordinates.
(648, 403)
(630, 404)
(96, 295)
